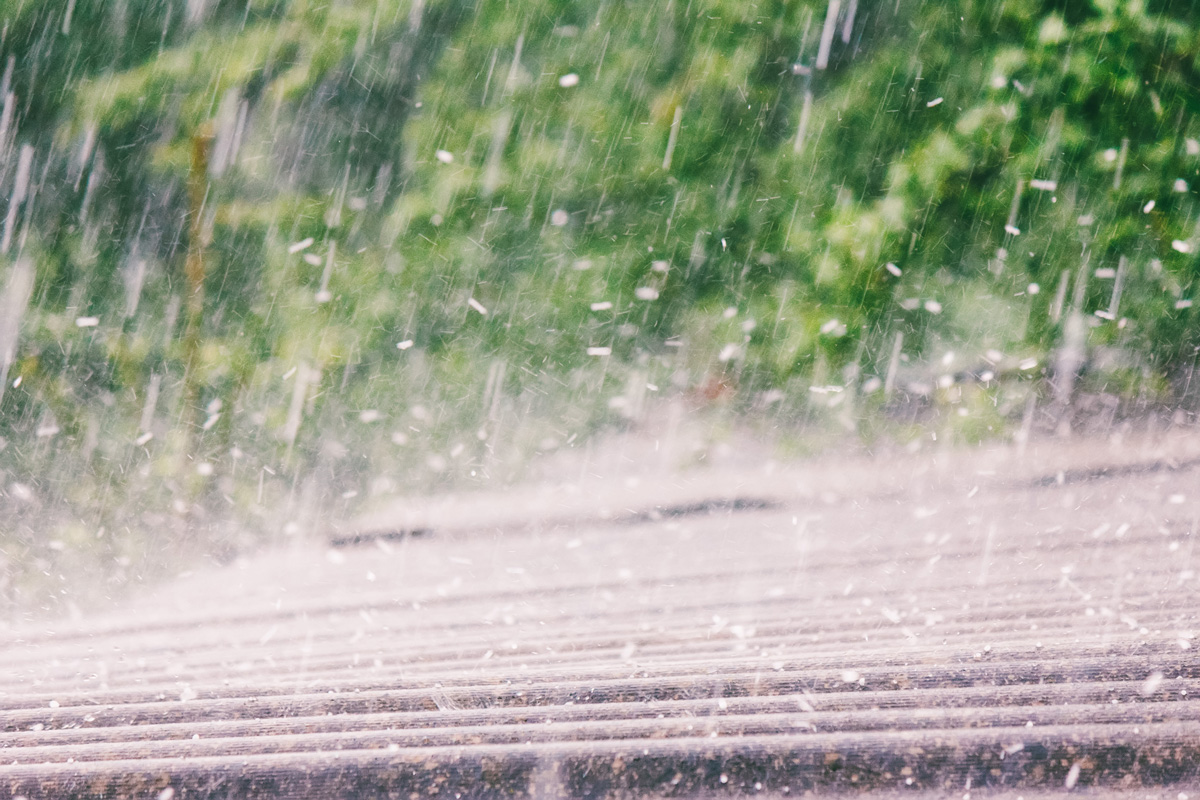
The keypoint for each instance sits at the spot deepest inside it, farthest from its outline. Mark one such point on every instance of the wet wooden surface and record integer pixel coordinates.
(987, 624)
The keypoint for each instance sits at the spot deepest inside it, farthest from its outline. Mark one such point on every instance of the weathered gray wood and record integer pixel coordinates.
(964, 627)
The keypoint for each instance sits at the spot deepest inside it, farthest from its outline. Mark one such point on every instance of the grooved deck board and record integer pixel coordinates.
(975, 625)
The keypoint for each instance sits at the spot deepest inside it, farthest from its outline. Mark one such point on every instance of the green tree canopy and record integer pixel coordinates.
(409, 226)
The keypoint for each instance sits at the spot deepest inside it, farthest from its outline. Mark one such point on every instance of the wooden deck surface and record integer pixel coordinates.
(990, 623)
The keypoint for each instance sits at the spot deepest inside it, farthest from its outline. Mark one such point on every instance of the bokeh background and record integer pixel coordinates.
(264, 263)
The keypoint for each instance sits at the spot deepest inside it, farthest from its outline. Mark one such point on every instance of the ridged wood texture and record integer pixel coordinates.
(944, 628)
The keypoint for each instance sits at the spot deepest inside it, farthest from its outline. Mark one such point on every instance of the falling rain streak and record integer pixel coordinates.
(265, 265)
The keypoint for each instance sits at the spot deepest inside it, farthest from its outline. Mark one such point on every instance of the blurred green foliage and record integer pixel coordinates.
(439, 235)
